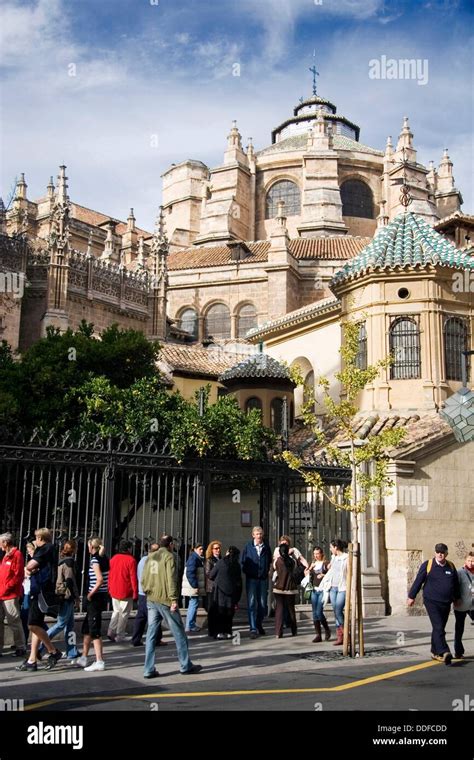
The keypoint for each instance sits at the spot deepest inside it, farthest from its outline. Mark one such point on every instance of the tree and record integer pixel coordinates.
(367, 460)
(35, 391)
(147, 411)
(110, 387)
(8, 383)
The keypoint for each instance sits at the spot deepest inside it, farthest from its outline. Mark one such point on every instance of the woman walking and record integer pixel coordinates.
(285, 589)
(97, 598)
(316, 571)
(464, 605)
(337, 592)
(213, 555)
(227, 591)
(68, 593)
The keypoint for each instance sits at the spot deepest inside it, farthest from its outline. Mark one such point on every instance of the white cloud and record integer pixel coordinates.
(280, 17)
(32, 30)
(100, 122)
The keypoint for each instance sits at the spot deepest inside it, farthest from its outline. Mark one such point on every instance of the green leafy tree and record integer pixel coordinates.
(9, 403)
(146, 410)
(109, 386)
(222, 431)
(40, 382)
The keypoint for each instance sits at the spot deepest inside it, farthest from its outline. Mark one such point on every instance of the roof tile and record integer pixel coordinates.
(259, 365)
(419, 431)
(408, 240)
(197, 360)
(339, 247)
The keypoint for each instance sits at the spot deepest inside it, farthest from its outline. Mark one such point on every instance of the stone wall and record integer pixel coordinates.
(435, 504)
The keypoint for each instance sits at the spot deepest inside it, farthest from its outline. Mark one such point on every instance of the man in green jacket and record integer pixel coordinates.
(159, 583)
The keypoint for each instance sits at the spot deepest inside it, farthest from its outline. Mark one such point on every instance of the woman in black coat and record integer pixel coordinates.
(227, 591)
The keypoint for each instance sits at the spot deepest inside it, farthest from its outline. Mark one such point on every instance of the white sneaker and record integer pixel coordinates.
(81, 661)
(97, 665)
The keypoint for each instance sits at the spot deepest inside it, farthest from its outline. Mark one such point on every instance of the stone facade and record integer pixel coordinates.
(408, 272)
(125, 283)
(432, 501)
(318, 151)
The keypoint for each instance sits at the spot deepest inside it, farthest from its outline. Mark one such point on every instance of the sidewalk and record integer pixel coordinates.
(385, 638)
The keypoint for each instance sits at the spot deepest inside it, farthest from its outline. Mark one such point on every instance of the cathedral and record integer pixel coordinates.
(279, 246)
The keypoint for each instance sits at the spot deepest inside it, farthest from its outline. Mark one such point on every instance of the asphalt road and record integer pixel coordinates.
(291, 674)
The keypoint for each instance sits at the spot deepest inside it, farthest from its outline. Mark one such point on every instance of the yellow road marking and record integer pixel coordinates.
(241, 692)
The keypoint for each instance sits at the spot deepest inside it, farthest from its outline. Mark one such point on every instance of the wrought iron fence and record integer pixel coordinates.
(138, 491)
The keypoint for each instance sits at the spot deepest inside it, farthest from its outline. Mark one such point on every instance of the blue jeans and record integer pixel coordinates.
(65, 620)
(257, 595)
(338, 602)
(156, 613)
(317, 603)
(192, 613)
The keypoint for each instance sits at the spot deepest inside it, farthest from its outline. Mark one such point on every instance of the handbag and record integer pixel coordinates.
(309, 588)
(62, 589)
(48, 603)
(298, 572)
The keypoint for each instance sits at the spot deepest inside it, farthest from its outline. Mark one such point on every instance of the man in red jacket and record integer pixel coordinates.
(123, 588)
(12, 573)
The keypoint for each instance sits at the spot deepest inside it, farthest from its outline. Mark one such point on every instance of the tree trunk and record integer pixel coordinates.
(347, 609)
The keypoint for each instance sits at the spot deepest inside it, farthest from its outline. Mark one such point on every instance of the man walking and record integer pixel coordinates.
(123, 588)
(12, 571)
(141, 618)
(41, 569)
(256, 563)
(194, 585)
(440, 583)
(160, 584)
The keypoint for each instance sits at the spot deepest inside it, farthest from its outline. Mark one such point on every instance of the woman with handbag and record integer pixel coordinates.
(316, 572)
(68, 592)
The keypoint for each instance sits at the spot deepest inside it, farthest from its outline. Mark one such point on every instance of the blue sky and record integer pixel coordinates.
(142, 69)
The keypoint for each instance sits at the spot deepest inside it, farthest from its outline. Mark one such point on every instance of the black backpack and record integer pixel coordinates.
(297, 573)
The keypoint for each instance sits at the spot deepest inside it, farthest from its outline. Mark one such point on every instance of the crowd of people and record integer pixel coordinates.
(41, 586)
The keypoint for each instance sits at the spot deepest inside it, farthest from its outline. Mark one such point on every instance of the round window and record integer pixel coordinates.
(403, 293)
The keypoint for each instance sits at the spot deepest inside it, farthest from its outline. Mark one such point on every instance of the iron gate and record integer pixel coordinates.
(120, 490)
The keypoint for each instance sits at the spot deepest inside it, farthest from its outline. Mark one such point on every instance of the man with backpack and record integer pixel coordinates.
(42, 570)
(440, 582)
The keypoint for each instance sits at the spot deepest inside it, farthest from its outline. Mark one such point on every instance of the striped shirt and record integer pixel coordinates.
(103, 564)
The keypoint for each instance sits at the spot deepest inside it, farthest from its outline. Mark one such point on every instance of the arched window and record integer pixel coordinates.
(357, 199)
(218, 321)
(276, 414)
(188, 322)
(285, 191)
(405, 349)
(455, 341)
(246, 320)
(361, 357)
(253, 403)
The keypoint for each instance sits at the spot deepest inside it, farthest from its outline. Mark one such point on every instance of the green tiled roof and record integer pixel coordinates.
(407, 241)
(298, 142)
(258, 365)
